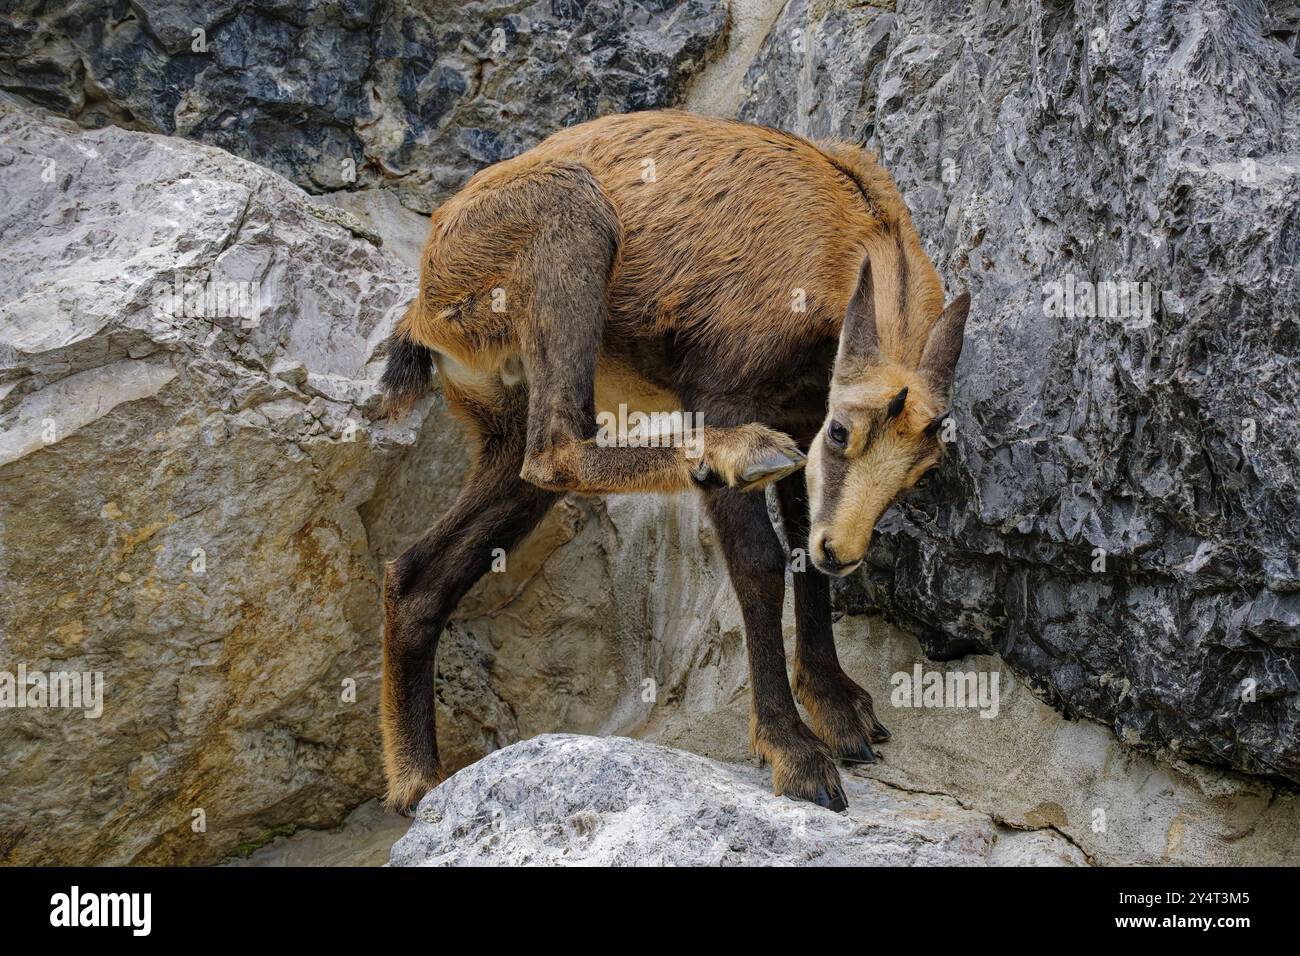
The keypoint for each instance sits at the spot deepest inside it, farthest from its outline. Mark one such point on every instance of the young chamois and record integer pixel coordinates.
(773, 286)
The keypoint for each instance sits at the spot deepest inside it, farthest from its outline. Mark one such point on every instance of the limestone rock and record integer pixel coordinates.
(417, 96)
(1120, 514)
(563, 799)
(180, 479)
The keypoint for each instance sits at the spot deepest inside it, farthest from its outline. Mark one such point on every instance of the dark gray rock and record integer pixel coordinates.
(355, 93)
(1151, 142)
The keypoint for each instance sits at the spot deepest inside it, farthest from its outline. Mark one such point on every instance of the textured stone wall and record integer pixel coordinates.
(1117, 519)
(1120, 519)
(343, 95)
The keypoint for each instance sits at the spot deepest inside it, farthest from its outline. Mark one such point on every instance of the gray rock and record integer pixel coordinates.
(346, 95)
(562, 799)
(180, 485)
(1148, 142)
(1127, 161)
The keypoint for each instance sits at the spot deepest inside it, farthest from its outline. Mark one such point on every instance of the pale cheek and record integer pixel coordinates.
(812, 475)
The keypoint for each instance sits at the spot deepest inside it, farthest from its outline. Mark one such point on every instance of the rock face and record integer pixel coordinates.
(416, 96)
(197, 505)
(1119, 519)
(566, 800)
(1120, 516)
(180, 480)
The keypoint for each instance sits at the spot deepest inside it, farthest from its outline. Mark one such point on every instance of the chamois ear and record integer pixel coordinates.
(939, 360)
(859, 338)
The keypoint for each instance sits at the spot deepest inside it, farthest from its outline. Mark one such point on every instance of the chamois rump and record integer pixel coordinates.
(771, 285)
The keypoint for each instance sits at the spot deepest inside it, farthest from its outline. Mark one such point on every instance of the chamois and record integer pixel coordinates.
(775, 287)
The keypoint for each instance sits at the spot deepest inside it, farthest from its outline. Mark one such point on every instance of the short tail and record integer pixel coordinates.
(407, 375)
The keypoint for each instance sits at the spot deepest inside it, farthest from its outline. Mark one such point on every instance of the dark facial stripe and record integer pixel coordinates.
(879, 419)
(903, 278)
(834, 468)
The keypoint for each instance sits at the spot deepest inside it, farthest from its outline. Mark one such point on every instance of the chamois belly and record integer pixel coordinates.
(620, 384)
(620, 388)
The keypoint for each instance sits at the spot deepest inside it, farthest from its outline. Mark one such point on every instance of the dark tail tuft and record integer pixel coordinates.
(406, 376)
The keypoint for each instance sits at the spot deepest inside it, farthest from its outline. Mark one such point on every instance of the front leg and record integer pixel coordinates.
(560, 340)
(802, 766)
(746, 457)
(842, 712)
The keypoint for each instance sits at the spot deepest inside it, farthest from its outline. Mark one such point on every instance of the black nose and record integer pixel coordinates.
(829, 554)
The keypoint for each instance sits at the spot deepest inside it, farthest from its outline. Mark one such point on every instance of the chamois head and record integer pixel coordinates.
(882, 431)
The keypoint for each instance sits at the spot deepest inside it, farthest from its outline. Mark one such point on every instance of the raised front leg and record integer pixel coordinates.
(842, 713)
(746, 457)
(565, 452)
(802, 766)
(558, 236)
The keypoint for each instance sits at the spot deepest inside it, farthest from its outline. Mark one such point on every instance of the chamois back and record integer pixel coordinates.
(742, 240)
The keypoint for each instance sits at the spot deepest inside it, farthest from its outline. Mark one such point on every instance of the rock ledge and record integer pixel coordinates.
(564, 799)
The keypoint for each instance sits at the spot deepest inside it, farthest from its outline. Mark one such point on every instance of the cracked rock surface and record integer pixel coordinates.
(562, 799)
(1119, 517)
(417, 96)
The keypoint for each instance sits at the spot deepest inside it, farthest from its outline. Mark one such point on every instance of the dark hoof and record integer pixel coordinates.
(776, 465)
(835, 800)
(864, 755)
(879, 734)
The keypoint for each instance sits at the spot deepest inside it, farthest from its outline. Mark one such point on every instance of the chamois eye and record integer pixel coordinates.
(838, 434)
(925, 478)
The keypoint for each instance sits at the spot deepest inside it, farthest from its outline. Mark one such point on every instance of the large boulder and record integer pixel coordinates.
(180, 479)
(565, 800)
(1120, 516)
(415, 96)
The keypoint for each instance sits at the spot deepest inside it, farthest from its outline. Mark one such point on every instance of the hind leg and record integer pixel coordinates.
(422, 588)
(842, 713)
